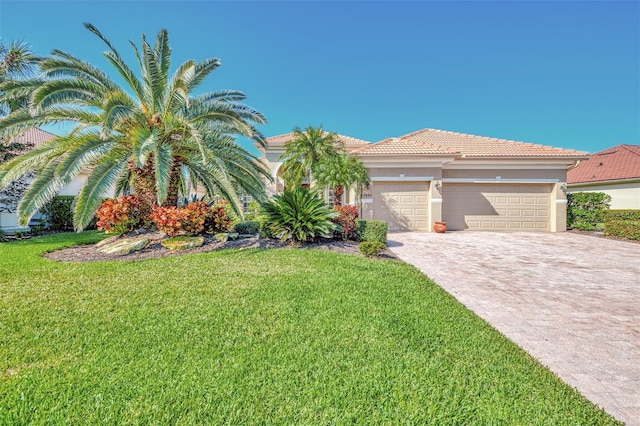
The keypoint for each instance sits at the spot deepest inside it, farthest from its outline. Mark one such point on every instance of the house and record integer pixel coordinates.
(614, 171)
(33, 138)
(470, 182)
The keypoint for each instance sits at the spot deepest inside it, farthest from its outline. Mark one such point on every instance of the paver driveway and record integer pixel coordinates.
(572, 301)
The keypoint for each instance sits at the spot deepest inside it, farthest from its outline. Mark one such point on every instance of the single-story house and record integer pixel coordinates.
(614, 171)
(470, 182)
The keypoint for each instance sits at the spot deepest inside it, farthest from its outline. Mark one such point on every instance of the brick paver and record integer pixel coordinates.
(572, 301)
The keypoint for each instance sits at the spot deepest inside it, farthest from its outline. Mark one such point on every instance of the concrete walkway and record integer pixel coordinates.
(572, 301)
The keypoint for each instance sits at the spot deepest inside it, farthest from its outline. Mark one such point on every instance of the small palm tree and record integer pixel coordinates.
(339, 172)
(303, 154)
(149, 137)
(17, 62)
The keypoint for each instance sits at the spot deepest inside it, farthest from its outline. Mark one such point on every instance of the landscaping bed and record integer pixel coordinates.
(155, 250)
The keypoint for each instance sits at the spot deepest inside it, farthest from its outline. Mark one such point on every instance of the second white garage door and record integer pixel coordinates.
(403, 205)
(496, 207)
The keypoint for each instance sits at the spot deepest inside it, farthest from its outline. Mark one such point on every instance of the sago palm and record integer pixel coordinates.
(303, 154)
(339, 172)
(299, 214)
(146, 137)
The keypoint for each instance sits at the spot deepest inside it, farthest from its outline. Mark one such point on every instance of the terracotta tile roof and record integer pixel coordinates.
(480, 146)
(35, 136)
(395, 146)
(348, 141)
(617, 163)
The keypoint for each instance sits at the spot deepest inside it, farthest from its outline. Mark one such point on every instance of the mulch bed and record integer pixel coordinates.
(89, 253)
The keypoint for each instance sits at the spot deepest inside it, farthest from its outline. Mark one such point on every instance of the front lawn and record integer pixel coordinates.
(256, 336)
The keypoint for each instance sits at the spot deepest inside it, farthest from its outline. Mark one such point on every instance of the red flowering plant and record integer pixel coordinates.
(119, 215)
(189, 220)
(218, 219)
(347, 221)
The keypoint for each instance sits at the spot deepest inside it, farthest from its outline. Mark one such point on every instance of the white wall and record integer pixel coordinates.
(623, 195)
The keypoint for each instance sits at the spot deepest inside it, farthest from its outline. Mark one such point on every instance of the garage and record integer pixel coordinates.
(496, 206)
(403, 205)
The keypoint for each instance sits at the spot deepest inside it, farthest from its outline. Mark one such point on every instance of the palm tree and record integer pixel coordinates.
(17, 62)
(340, 171)
(303, 154)
(148, 137)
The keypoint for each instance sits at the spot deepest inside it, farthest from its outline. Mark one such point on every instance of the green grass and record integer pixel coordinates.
(255, 336)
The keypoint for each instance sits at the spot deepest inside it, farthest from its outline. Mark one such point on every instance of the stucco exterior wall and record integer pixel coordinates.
(623, 195)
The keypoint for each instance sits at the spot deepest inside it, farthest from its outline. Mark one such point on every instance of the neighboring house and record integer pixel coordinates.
(34, 138)
(614, 171)
(470, 182)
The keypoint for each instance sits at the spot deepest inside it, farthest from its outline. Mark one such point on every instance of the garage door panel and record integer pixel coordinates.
(403, 205)
(506, 207)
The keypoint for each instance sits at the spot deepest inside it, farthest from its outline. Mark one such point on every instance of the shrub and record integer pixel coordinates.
(629, 229)
(611, 215)
(346, 221)
(189, 220)
(251, 227)
(299, 215)
(3, 236)
(372, 230)
(218, 219)
(60, 212)
(371, 248)
(585, 210)
(119, 215)
(265, 230)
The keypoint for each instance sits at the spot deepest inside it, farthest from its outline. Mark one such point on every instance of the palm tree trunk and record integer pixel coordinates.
(337, 195)
(143, 183)
(174, 185)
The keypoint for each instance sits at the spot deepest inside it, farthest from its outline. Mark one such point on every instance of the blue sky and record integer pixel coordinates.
(557, 73)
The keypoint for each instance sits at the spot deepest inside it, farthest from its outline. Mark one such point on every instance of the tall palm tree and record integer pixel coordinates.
(17, 62)
(303, 154)
(147, 137)
(341, 171)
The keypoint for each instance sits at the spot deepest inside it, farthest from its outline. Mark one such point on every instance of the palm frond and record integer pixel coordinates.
(102, 178)
(163, 156)
(45, 186)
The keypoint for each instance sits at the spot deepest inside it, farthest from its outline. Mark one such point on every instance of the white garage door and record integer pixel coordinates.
(403, 205)
(496, 207)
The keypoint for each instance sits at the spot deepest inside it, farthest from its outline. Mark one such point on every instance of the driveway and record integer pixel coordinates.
(572, 301)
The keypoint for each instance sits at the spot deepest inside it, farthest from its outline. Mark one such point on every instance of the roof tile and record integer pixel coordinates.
(395, 146)
(481, 146)
(617, 163)
(35, 136)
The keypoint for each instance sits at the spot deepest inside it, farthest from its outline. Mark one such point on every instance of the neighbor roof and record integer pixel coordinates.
(481, 146)
(35, 136)
(617, 163)
(348, 141)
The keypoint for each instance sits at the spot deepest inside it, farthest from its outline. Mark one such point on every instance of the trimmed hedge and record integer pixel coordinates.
(60, 212)
(629, 229)
(249, 227)
(585, 210)
(616, 215)
(372, 230)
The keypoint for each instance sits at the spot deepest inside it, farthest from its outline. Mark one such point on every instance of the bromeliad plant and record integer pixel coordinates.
(299, 215)
(149, 136)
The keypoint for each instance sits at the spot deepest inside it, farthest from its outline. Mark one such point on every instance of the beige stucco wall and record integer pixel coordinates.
(623, 195)
(396, 172)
